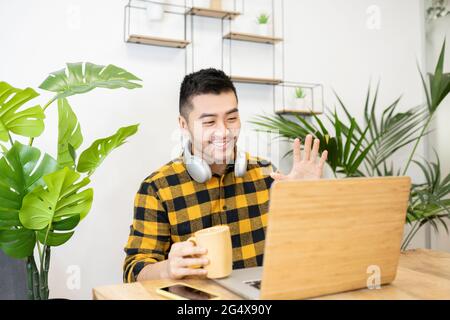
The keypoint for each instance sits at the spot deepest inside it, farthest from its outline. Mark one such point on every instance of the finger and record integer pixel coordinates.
(315, 150)
(296, 150)
(323, 159)
(187, 251)
(277, 176)
(182, 272)
(187, 262)
(308, 142)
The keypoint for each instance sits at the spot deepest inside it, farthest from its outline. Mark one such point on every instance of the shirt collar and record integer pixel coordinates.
(228, 169)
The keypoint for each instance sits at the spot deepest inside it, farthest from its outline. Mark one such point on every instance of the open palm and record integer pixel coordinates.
(306, 167)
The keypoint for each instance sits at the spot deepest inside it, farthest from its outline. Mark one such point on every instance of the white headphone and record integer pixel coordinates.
(199, 169)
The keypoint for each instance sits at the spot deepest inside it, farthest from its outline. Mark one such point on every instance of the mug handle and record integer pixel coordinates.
(194, 242)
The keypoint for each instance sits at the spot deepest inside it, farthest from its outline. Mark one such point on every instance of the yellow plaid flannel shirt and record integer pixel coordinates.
(170, 206)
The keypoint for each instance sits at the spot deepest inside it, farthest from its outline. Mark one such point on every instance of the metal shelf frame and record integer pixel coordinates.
(225, 16)
(316, 92)
(229, 40)
(176, 9)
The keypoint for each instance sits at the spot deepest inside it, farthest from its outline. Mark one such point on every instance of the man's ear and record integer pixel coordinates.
(184, 129)
(183, 123)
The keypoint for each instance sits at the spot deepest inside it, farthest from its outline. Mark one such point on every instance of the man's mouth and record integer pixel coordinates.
(221, 144)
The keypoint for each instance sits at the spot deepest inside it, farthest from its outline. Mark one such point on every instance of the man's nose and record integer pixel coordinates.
(221, 128)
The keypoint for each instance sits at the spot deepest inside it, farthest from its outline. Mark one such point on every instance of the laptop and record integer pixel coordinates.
(327, 236)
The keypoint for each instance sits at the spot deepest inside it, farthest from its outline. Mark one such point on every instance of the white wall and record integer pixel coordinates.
(327, 41)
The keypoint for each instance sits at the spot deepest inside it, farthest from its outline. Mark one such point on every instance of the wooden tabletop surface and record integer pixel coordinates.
(422, 274)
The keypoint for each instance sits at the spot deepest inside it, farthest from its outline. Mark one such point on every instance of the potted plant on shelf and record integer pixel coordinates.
(300, 101)
(367, 148)
(43, 197)
(263, 24)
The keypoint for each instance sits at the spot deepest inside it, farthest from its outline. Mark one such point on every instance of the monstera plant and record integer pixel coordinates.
(43, 197)
(367, 148)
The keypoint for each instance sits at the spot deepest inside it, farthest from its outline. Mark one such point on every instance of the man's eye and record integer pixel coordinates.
(208, 123)
(232, 119)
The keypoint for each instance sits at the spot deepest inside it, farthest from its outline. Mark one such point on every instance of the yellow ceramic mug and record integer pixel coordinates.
(217, 240)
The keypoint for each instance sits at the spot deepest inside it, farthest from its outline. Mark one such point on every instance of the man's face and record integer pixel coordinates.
(213, 126)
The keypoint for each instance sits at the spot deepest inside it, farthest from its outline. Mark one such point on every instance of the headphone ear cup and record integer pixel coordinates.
(197, 168)
(240, 164)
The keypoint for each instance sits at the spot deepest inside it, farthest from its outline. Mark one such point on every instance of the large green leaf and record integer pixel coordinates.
(54, 239)
(60, 199)
(21, 169)
(69, 134)
(93, 156)
(439, 82)
(20, 172)
(83, 77)
(429, 202)
(27, 122)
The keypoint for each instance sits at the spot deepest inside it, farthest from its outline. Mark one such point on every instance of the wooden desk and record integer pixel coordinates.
(422, 274)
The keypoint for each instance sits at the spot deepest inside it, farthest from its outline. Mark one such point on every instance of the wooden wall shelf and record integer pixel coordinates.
(213, 13)
(156, 41)
(252, 38)
(256, 80)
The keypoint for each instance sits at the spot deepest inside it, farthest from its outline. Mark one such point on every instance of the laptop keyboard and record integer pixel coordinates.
(254, 283)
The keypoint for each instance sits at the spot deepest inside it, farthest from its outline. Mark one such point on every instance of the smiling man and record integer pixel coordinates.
(212, 183)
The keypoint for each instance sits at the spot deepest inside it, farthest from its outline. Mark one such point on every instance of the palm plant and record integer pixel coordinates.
(43, 198)
(366, 149)
(429, 201)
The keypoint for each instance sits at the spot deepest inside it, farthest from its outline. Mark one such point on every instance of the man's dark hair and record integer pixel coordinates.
(204, 81)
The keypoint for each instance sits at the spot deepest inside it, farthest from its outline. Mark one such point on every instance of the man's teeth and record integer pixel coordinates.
(219, 144)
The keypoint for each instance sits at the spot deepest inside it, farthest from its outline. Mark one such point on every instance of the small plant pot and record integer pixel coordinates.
(263, 29)
(202, 3)
(155, 12)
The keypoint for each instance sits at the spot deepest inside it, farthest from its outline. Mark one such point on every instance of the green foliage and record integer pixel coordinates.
(20, 172)
(26, 122)
(83, 77)
(59, 199)
(439, 84)
(69, 134)
(366, 149)
(42, 200)
(345, 146)
(17, 242)
(429, 201)
(93, 156)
